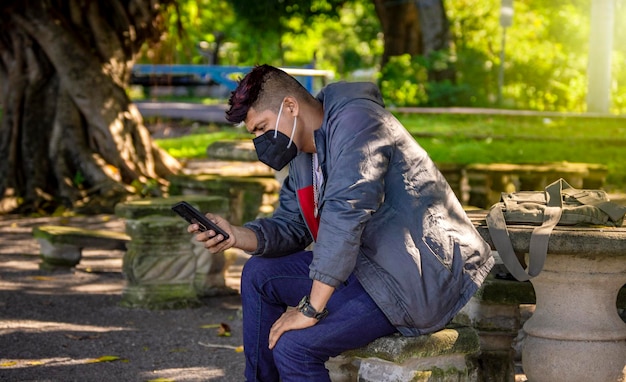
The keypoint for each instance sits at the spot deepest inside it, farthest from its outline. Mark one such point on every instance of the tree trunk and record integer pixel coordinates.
(401, 28)
(415, 27)
(71, 135)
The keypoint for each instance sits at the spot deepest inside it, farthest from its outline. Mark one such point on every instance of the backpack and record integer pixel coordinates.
(558, 204)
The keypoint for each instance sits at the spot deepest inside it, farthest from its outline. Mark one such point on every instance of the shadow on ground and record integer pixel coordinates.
(69, 326)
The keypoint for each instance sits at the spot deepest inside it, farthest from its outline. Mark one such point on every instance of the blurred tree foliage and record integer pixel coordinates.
(546, 54)
(545, 62)
(193, 32)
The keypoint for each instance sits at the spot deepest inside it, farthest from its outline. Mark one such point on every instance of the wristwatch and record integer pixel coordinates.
(305, 308)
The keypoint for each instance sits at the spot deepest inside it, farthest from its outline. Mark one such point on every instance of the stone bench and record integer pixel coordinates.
(450, 354)
(61, 246)
(477, 346)
(575, 332)
(478, 184)
(233, 150)
(486, 182)
(248, 196)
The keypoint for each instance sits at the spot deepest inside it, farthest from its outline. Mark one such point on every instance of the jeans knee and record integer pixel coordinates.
(251, 272)
(293, 348)
(288, 351)
(297, 360)
(258, 270)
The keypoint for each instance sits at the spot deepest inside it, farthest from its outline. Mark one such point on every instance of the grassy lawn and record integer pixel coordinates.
(194, 145)
(468, 139)
(465, 139)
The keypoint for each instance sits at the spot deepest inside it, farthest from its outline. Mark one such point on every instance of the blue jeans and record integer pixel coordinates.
(268, 287)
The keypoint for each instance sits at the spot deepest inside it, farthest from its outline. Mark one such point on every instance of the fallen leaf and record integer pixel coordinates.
(223, 330)
(210, 326)
(239, 349)
(35, 363)
(43, 278)
(104, 358)
(8, 364)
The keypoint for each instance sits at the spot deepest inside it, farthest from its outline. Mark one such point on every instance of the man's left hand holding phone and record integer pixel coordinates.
(214, 236)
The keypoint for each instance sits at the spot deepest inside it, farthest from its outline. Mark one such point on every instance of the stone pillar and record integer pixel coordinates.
(164, 265)
(575, 333)
(159, 265)
(209, 279)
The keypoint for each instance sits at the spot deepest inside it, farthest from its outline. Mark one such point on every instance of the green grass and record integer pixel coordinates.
(195, 145)
(503, 126)
(465, 139)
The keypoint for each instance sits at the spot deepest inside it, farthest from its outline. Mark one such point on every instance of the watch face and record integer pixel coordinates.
(302, 302)
(308, 310)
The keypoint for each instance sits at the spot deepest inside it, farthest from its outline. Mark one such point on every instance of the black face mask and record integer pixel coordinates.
(275, 152)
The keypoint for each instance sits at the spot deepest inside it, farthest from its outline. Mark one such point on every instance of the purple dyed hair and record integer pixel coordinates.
(263, 88)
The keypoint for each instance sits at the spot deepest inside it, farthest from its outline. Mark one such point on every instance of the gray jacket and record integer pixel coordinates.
(386, 214)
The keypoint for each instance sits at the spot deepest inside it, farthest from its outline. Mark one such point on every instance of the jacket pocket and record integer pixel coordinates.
(441, 249)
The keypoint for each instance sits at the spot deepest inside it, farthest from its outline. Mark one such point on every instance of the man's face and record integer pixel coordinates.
(258, 123)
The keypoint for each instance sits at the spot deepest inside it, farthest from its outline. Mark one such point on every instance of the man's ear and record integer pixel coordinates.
(291, 104)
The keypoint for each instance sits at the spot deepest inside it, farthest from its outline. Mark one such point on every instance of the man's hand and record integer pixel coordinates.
(292, 319)
(240, 237)
(214, 243)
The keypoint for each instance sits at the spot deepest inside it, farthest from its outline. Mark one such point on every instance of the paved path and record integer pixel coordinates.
(68, 326)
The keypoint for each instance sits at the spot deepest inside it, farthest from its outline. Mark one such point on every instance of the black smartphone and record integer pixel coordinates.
(193, 216)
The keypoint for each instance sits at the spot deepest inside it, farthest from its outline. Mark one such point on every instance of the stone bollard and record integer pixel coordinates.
(159, 265)
(209, 279)
(171, 269)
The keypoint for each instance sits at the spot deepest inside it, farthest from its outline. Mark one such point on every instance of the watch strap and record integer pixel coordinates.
(305, 308)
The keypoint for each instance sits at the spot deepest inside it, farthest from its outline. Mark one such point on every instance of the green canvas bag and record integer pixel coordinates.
(558, 204)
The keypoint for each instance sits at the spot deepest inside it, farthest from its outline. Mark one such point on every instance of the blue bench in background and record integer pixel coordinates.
(208, 75)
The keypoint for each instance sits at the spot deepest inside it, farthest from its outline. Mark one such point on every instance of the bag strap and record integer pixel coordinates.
(538, 248)
(539, 238)
(502, 242)
(613, 210)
